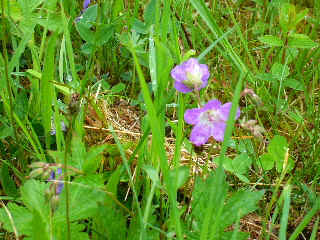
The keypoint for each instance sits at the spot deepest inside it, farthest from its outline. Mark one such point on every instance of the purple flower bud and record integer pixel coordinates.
(190, 75)
(86, 4)
(59, 185)
(210, 120)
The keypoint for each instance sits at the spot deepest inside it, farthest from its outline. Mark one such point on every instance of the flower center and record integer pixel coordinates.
(192, 81)
(211, 116)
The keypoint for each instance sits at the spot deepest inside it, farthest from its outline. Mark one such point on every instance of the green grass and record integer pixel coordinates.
(117, 58)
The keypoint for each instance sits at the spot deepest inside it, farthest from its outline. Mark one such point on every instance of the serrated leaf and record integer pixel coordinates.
(271, 40)
(300, 41)
(33, 196)
(85, 192)
(93, 159)
(240, 204)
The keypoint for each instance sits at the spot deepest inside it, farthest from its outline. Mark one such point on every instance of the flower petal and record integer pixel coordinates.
(200, 133)
(212, 105)
(205, 75)
(178, 73)
(86, 3)
(181, 87)
(218, 131)
(192, 66)
(191, 116)
(225, 110)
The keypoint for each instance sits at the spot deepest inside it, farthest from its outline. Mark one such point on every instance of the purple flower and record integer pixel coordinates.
(190, 75)
(86, 4)
(210, 120)
(59, 186)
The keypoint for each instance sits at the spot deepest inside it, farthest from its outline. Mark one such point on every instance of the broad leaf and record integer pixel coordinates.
(300, 41)
(271, 40)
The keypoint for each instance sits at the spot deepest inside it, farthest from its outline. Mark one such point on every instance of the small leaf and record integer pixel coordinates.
(280, 71)
(271, 40)
(267, 162)
(294, 84)
(118, 88)
(301, 41)
(278, 149)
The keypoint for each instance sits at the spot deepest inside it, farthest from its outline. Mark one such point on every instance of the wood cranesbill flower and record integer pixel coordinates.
(210, 120)
(190, 75)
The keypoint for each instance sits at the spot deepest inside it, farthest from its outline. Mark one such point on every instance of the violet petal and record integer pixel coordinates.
(59, 188)
(181, 87)
(218, 131)
(86, 3)
(212, 105)
(205, 75)
(200, 134)
(178, 73)
(191, 116)
(225, 111)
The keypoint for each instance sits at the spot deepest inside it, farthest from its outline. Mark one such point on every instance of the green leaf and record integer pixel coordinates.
(267, 161)
(301, 15)
(300, 41)
(150, 13)
(201, 195)
(103, 34)
(240, 204)
(47, 88)
(93, 159)
(78, 152)
(117, 7)
(33, 196)
(294, 84)
(21, 216)
(287, 17)
(7, 183)
(85, 33)
(239, 165)
(152, 173)
(89, 16)
(271, 40)
(179, 175)
(118, 88)
(280, 71)
(85, 192)
(278, 149)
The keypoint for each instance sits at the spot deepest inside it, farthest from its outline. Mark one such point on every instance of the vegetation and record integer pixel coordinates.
(173, 119)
